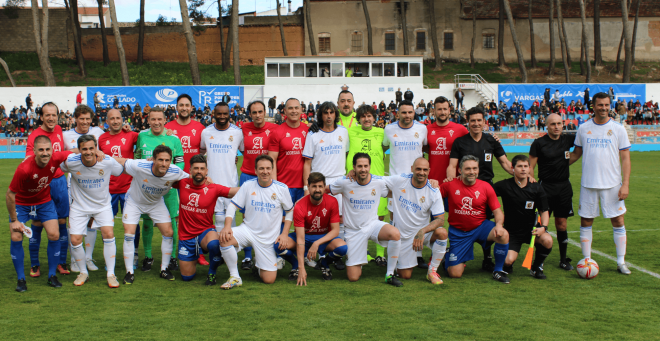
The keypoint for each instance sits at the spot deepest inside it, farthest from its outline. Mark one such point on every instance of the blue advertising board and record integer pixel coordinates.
(527, 93)
(164, 95)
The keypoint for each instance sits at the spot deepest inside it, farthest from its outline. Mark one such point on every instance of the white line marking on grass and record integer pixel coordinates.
(602, 254)
(611, 231)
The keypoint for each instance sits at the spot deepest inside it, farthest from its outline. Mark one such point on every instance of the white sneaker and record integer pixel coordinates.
(622, 268)
(280, 263)
(91, 266)
(232, 282)
(310, 262)
(112, 281)
(82, 279)
(74, 267)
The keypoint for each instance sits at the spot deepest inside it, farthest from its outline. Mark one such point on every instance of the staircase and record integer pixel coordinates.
(476, 83)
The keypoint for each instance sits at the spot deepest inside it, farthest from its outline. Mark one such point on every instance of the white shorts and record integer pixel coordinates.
(157, 212)
(264, 254)
(610, 204)
(408, 256)
(357, 241)
(78, 220)
(330, 181)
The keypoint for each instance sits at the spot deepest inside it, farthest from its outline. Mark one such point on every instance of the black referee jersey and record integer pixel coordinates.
(486, 150)
(520, 204)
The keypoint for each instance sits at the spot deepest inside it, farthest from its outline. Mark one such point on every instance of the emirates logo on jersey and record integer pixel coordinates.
(258, 143)
(297, 143)
(101, 172)
(477, 194)
(231, 138)
(442, 143)
(432, 132)
(193, 200)
(123, 141)
(250, 134)
(324, 211)
(52, 169)
(416, 135)
(467, 204)
(194, 131)
(206, 189)
(451, 133)
(116, 151)
(57, 147)
(185, 142)
(267, 132)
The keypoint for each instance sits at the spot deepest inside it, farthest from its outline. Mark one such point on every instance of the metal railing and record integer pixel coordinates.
(12, 144)
(479, 83)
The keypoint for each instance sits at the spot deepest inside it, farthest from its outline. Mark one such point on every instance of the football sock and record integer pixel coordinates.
(110, 254)
(439, 248)
(620, 242)
(231, 258)
(78, 254)
(500, 251)
(585, 240)
(166, 252)
(136, 242)
(380, 251)
(419, 254)
(487, 252)
(129, 249)
(393, 247)
(214, 256)
(147, 236)
(17, 257)
(90, 241)
(287, 255)
(341, 231)
(175, 243)
(340, 251)
(248, 252)
(562, 239)
(53, 252)
(64, 243)
(34, 244)
(541, 254)
(187, 278)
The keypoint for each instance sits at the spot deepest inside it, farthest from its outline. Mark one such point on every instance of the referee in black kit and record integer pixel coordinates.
(552, 152)
(486, 148)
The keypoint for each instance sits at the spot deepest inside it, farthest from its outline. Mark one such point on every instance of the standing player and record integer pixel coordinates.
(606, 162)
(522, 199)
(552, 153)
(90, 199)
(468, 199)
(262, 200)
(440, 137)
(28, 197)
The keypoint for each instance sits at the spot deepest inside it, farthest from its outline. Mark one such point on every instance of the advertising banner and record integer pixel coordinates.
(527, 93)
(163, 95)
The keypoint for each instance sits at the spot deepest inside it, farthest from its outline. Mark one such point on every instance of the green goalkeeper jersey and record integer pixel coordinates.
(370, 142)
(147, 142)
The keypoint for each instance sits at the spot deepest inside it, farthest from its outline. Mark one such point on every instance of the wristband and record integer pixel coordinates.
(305, 188)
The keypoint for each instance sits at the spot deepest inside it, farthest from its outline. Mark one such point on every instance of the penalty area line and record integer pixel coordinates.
(599, 231)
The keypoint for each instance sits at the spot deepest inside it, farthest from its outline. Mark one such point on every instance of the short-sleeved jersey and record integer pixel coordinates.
(520, 204)
(147, 142)
(316, 219)
(190, 136)
(221, 150)
(196, 205)
(262, 208)
(120, 145)
(487, 150)
(405, 145)
(360, 202)
(289, 143)
(255, 143)
(413, 207)
(601, 144)
(56, 139)
(467, 204)
(553, 157)
(90, 185)
(370, 142)
(146, 188)
(71, 136)
(328, 151)
(440, 140)
(31, 183)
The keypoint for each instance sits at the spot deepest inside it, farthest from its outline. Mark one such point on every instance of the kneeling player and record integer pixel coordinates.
(521, 199)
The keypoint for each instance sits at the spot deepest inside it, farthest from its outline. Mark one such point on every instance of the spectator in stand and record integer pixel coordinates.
(493, 123)
(303, 106)
(408, 95)
(587, 98)
(310, 109)
(392, 106)
(419, 113)
(540, 123)
(570, 110)
(147, 109)
(381, 108)
(226, 98)
(398, 96)
(79, 98)
(272, 103)
(571, 126)
(3, 112)
(580, 120)
(562, 111)
(459, 95)
(545, 110)
(115, 103)
(546, 95)
(28, 103)
(280, 108)
(621, 110)
(579, 108)
(556, 98)
(318, 105)
(610, 93)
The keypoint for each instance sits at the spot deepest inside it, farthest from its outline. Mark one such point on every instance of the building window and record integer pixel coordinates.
(389, 42)
(449, 40)
(356, 41)
(421, 40)
(489, 41)
(324, 44)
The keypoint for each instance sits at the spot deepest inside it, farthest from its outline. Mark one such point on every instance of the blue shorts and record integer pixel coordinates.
(59, 192)
(296, 194)
(190, 249)
(117, 200)
(245, 177)
(43, 212)
(461, 243)
(310, 239)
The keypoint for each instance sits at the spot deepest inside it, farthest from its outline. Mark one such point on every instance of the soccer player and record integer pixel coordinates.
(522, 199)
(468, 198)
(152, 180)
(414, 203)
(552, 154)
(148, 140)
(90, 199)
(440, 137)
(605, 150)
(196, 231)
(262, 201)
(360, 202)
(28, 197)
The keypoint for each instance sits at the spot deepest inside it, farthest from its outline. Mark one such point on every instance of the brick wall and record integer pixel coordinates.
(18, 35)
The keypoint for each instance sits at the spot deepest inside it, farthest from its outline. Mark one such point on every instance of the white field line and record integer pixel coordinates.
(611, 230)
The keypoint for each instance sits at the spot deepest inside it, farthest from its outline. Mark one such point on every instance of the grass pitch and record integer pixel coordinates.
(609, 307)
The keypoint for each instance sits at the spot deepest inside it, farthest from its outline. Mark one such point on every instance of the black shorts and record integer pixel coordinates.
(560, 198)
(516, 240)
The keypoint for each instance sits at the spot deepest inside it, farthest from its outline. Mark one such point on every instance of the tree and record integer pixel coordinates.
(516, 43)
(370, 47)
(404, 28)
(618, 54)
(434, 36)
(41, 40)
(125, 80)
(76, 42)
(190, 42)
(531, 33)
(140, 56)
(560, 17)
(104, 39)
(226, 57)
(4, 65)
(234, 33)
(597, 50)
(310, 31)
(474, 32)
(562, 43)
(634, 35)
(221, 25)
(500, 37)
(551, 24)
(628, 41)
(585, 46)
(279, 18)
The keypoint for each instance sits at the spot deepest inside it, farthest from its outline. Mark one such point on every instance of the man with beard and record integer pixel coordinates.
(186, 129)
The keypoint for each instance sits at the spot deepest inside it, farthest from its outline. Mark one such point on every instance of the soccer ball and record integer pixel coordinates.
(587, 268)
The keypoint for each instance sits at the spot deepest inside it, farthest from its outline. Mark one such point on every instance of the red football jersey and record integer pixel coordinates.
(467, 204)
(316, 218)
(56, 138)
(440, 140)
(31, 183)
(119, 145)
(197, 204)
(255, 143)
(289, 142)
(190, 136)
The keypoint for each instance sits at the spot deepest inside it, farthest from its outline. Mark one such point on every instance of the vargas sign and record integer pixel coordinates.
(527, 93)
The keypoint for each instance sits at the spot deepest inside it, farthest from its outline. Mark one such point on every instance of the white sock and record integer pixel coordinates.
(620, 242)
(419, 254)
(231, 259)
(90, 240)
(110, 255)
(166, 251)
(341, 231)
(78, 254)
(393, 247)
(585, 240)
(129, 249)
(439, 248)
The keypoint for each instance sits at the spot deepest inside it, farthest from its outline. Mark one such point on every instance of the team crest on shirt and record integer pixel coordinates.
(123, 141)
(609, 132)
(340, 139)
(206, 189)
(287, 134)
(185, 142)
(187, 186)
(309, 213)
(297, 143)
(267, 132)
(35, 176)
(451, 133)
(167, 183)
(193, 131)
(304, 133)
(231, 138)
(477, 194)
(442, 143)
(529, 205)
(373, 192)
(324, 211)
(52, 169)
(567, 155)
(488, 157)
(467, 204)
(101, 172)
(432, 132)
(422, 200)
(125, 216)
(250, 134)
(416, 135)
(457, 192)
(274, 197)
(193, 200)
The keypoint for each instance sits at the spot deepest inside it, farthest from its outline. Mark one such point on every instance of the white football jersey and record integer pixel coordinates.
(146, 188)
(413, 207)
(71, 136)
(327, 151)
(262, 208)
(360, 202)
(405, 145)
(601, 144)
(222, 147)
(90, 186)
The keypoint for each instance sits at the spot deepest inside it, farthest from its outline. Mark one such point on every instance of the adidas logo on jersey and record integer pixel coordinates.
(589, 132)
(321, 141)
(73, 141)
(351, 192)
(145, 180)
(254, 193)
(144, 146)
(403, 190)
(77, 173)
(394, 135)
(211, 138)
